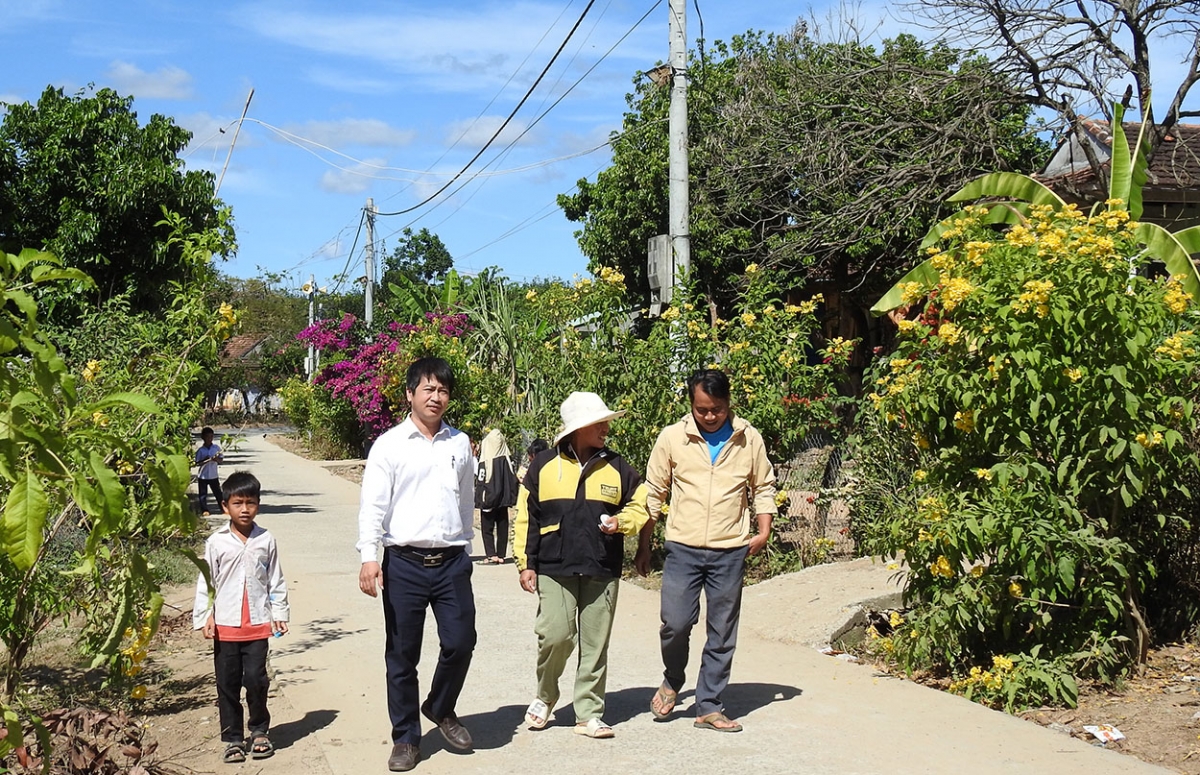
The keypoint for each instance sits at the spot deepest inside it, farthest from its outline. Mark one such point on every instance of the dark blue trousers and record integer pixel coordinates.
(409, 588)
(686, 571)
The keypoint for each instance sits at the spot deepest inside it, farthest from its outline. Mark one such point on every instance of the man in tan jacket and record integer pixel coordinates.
(712, 469)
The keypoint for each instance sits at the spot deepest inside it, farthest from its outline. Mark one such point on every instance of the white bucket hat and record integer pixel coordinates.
(581, 410)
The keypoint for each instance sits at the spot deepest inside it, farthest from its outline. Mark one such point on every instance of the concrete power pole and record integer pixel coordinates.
(678, 131)
(310, 363)
(369, 291)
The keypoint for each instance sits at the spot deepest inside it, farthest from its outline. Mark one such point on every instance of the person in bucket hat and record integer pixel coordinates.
(578, 501)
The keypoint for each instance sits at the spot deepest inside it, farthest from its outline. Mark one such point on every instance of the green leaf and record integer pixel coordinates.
(137, 400)
(1163, 245)
(24, 518)
(1189, 239)
(923, 274)
(112, 493)
(1009, 185)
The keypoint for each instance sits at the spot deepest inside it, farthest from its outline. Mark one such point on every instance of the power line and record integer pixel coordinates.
(350, 256)
(504, 125)
(544, 113)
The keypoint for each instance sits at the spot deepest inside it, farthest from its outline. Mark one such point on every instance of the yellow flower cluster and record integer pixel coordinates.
(1176, 347)
(531, 295)
(670, 313)
(781, 497)
(911, 293)
(738, 346)
(1020, 236)
(696, 331)
(1150, 440)
(839, 346)
(941, 567)
(983, 473)
(907, 326)
(226, 318)
(91, 370)
(931, 508)
(805, 307)
(1176, 298)
(965, 420)
(100, 419)
(921, 441)
(1036, 297)
(949, 333)
(584, 283)
(995, 366)
(748, 319)
(1014, 589)
(955, 291)
(992, 680)
(137, 651)
(612, 276)
(1073, 374)
(920, 475)
(976, 250)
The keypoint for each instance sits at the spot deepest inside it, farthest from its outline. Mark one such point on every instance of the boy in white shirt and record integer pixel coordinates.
(248, 606)
(207, 457)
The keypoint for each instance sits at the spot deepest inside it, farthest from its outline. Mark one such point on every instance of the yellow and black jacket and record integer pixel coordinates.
(557, 530)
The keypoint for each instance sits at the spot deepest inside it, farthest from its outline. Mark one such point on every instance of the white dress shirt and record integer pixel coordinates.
(417, 491)
(251, 569)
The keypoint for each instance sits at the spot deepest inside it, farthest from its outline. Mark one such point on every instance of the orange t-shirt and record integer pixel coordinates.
(246, 630)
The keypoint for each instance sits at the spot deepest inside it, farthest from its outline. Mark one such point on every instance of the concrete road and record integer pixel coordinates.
(803, 711)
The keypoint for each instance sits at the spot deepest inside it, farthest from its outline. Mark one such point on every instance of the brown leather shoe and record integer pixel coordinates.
(404, 757)
(456, 734)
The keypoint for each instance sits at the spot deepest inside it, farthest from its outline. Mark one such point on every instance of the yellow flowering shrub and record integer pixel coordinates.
(1042, 394)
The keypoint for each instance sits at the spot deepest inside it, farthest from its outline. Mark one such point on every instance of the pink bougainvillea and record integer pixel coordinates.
(357, 373)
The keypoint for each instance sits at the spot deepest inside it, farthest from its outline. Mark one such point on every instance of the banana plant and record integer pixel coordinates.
(1128, 172)
(410, 300)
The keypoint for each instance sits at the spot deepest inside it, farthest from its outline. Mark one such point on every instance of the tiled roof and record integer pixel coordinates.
(238, 347)
(1174, 168)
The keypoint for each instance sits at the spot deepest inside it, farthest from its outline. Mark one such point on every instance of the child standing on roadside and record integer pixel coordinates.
(207, 457)
(249, 604)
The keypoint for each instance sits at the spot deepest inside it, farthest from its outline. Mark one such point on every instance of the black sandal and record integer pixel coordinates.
(260, 746)
(235, 753)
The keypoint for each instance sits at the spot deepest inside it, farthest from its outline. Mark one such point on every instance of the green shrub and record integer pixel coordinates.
(1045, 393)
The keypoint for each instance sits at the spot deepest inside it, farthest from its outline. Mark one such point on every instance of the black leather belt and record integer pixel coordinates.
(430, 558)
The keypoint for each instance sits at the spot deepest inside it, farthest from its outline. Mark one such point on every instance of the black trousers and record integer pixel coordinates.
(494, 525)
(203, 486)
(409, 588)
(241, 664)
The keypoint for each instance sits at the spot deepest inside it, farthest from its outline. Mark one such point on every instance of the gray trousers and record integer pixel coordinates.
(686, 571)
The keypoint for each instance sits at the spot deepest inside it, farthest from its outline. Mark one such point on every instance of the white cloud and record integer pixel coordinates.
(352, 179)
(169, 83)
(353, 131)
(451, 47)
(210, 132)
(11, 99)
(476, 132)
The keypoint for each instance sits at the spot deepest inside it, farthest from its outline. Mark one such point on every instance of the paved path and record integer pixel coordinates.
(804, 712)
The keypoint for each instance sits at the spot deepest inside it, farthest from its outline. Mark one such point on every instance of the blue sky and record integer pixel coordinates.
(376, 99)
(357, 100)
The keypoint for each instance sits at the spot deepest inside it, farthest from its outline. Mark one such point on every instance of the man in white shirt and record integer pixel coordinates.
(417, 505)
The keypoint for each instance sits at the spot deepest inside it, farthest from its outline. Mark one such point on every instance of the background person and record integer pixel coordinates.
(577, 503)
(713, 469)
(207, 457)
(495, 492)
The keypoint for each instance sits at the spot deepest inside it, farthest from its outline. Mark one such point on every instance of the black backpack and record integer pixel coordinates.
(501, 491)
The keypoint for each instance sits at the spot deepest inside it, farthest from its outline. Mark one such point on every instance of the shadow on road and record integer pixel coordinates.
(290, 732)
(494, 729)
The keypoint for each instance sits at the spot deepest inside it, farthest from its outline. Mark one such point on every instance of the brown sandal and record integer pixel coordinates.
(663, 701)
(717, 721)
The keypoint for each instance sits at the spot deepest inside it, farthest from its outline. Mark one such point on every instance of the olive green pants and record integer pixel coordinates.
(575, 609)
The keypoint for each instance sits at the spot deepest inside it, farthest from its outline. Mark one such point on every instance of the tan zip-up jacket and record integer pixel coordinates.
(710, 503)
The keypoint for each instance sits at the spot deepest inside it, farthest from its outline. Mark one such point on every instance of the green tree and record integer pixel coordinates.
(825, 159)
(80, 177)
(420, 256)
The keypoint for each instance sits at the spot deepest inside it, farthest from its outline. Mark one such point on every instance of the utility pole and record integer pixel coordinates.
(310, 363)
(678, 132)
(369, 291)
(233, 142)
